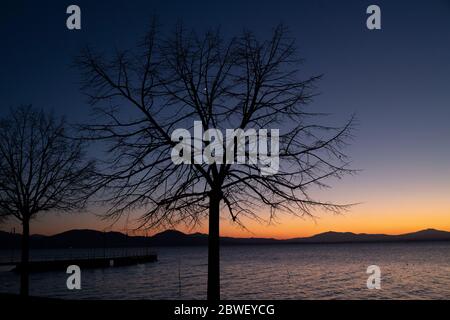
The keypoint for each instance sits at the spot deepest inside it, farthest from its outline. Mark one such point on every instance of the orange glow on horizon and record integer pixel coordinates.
(358, 220)
(401, 211)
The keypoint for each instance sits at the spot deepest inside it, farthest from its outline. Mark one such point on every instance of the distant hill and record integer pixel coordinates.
(98, 239)
(349, 237)
(334, 237)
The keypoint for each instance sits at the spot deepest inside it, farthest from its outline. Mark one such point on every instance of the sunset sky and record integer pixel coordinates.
(396, 80)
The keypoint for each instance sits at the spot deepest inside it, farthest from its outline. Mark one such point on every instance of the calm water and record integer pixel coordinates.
(409, 271)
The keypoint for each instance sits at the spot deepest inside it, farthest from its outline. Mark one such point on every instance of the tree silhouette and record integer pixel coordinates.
(40, 170)
(141, 96)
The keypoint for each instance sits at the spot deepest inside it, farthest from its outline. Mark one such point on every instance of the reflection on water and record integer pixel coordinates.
(409, 271)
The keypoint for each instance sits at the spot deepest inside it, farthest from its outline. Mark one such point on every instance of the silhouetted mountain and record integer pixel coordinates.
(349, 237)
(86, 239)
(337, 237)
(9, 240)
(98, 239)
(428, 234)
(177, 238)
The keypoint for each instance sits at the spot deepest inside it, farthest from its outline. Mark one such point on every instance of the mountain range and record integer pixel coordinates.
(98, 239)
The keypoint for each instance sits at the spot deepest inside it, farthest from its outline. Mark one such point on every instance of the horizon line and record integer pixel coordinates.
(225, 236)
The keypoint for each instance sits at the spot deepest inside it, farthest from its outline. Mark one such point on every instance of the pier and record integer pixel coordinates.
(92, 262)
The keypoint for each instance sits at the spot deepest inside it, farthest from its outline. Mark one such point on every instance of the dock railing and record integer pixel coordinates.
(13, 257)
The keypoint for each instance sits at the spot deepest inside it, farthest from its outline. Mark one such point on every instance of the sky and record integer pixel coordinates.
(396, 80)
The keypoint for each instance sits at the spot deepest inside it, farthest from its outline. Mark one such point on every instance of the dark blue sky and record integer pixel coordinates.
(396, 80)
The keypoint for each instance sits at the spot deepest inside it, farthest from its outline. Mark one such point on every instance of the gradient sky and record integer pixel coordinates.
(396, 80)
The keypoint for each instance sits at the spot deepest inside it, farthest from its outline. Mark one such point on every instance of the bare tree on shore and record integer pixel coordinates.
(41, 170)
(169, 82)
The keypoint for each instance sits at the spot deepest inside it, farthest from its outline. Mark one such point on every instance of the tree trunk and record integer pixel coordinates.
(24, 280)
(213, 248)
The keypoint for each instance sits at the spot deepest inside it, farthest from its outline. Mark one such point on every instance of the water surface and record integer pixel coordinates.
(408, 271)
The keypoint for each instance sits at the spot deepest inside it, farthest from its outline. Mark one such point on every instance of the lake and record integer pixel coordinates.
(419, 270)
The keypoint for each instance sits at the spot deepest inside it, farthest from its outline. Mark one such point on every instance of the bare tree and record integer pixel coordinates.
(142, 96)
(40, 170)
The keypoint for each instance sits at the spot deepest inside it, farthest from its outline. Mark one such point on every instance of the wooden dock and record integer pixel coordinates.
(83, 263)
